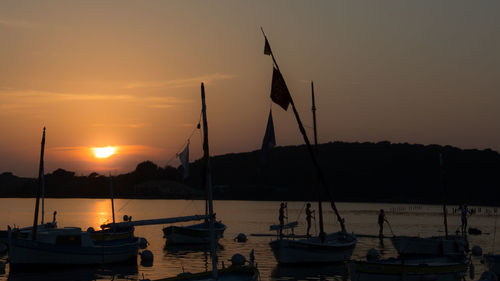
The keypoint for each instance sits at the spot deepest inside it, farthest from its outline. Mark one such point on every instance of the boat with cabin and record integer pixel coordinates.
(54, 245)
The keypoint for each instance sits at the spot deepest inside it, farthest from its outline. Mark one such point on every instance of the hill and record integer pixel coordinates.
(368, 172)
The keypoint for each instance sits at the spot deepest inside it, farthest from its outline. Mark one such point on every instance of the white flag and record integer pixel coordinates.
(184, 157)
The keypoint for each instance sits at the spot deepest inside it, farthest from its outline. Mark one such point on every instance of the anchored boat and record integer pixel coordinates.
(409, 269)
(70, 245)
(325, 248)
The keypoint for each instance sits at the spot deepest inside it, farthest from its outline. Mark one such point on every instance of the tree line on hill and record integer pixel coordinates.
(362, 172)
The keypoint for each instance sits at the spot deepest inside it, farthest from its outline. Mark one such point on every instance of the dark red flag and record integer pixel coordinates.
(267, 48)
(279, 90)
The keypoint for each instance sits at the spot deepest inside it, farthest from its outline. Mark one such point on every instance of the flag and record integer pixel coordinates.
(184, 157)
(279, 90)
(267, 48)
(269, 140)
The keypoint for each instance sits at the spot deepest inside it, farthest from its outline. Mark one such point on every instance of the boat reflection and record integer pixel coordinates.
(187, 249)
(126, 271)
(337, 271)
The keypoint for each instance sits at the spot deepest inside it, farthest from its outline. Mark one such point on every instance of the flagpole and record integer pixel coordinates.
(309, 148)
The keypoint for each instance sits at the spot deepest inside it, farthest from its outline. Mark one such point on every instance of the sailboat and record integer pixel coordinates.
(325, 248)
(68, 245)
(239, 270)
(195, 234)
(420, 258)
(448, 245)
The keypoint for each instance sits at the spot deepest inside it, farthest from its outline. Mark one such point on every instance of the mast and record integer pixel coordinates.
(443, 182)
(43, 195)
(311, 153)
(208, 182)
(40, 186)
(112, 197)
(318, 184)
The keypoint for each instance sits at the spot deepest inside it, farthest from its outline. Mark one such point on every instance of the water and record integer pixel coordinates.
(240, 217)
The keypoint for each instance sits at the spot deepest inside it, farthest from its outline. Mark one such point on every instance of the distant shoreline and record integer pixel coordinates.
(450, 205)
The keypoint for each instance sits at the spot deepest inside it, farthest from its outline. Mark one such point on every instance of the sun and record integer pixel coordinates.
(104, 152)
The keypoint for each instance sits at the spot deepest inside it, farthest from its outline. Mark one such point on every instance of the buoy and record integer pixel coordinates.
(147, 258)
(477, 251)
(143, 243)
(241, 238)
(372, 255)
(238, 259)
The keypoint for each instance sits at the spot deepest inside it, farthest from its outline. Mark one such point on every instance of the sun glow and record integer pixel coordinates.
(104, 152)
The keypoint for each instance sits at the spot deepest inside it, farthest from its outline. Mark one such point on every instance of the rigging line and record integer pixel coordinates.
(300, 212)
(124, 205)
(196, 127)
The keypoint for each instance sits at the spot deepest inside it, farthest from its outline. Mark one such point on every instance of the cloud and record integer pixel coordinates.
(15, 100)
(180, 83)
(124, 125)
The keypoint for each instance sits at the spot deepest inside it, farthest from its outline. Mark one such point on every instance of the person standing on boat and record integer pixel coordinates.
(381, 219)
(282, 217)
(309, 216)
(464, 212)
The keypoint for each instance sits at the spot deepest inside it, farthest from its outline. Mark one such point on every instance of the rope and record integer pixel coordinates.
(185, 142)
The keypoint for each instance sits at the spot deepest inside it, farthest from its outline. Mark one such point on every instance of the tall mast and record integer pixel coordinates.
(318, 184)
(43, 195)
(112, 197)
(311, 153)
(40, 186)
(443, 182)
(208, 182)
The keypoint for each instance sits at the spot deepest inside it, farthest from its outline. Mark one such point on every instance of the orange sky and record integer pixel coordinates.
(127, 74)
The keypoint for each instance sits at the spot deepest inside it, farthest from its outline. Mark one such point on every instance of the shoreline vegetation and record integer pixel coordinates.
(356, 172)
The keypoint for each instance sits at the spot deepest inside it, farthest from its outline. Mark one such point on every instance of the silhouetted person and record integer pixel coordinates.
(381, 219)
(464, 211)
(54, 217)
(309, 216)
(282, 217)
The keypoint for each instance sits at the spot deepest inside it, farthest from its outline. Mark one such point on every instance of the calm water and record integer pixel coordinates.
(240, 217)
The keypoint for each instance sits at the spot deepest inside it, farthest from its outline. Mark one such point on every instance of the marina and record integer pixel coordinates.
(240, 217)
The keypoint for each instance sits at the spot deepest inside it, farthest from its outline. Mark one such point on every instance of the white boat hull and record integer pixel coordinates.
(313, 251)
(433, 246)
(29, 252)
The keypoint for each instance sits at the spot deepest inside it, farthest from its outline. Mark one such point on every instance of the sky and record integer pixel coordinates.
(127, 74)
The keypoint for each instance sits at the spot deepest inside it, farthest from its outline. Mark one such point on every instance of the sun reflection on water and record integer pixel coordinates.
(102, 213)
